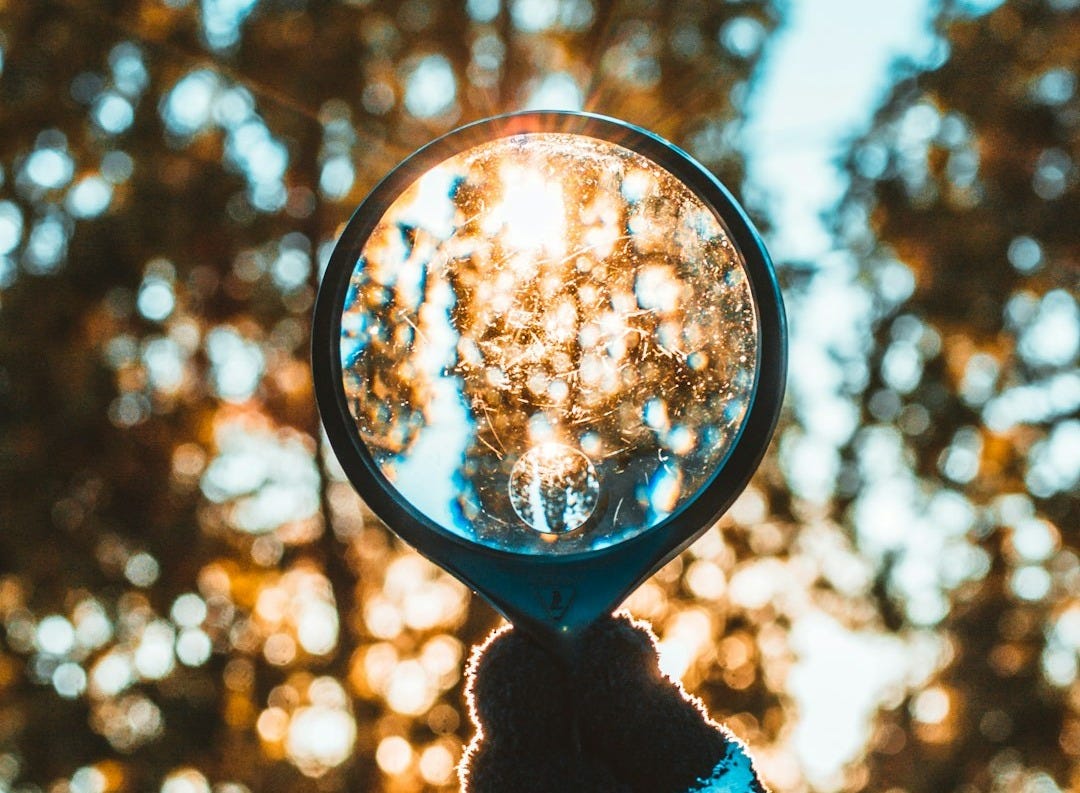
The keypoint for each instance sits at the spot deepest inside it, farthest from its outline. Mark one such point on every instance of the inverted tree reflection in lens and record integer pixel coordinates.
(542, 292)
(553, 488)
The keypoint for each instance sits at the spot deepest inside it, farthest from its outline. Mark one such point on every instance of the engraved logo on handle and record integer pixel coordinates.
(555, 597)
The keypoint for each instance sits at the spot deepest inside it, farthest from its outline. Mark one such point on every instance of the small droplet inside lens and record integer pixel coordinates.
(554, 488)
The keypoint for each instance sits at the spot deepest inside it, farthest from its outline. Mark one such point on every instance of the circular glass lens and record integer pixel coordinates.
(548, 343)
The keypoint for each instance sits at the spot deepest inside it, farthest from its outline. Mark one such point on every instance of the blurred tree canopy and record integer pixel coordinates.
(969, 178)
(193, 599)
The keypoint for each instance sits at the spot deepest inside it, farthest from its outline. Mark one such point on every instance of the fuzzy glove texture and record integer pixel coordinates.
(613, 724)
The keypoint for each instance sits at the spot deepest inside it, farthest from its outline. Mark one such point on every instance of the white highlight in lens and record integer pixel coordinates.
(532, 214)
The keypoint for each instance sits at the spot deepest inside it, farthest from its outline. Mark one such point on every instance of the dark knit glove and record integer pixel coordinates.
(614, 723)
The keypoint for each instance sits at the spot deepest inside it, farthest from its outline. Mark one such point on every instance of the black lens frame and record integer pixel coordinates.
(553, 597)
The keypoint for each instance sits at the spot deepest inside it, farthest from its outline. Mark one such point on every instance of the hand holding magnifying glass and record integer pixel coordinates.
(611, 724)
(549, 352)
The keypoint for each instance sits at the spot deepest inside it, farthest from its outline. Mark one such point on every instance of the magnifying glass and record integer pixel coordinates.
(549, 351)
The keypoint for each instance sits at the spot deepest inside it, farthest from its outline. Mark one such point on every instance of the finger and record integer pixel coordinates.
(518, 700)
(647, 729)
(517, 691)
